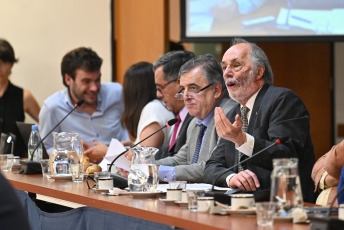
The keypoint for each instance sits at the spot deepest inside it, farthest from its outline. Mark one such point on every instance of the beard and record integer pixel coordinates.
(244, 83)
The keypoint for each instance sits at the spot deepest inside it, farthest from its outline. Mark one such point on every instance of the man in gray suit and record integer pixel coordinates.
(202, 89)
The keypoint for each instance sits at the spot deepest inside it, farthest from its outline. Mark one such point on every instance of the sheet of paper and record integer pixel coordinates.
(200, 186)
(115, 148)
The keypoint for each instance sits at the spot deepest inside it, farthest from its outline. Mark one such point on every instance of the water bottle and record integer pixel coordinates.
(34, 140)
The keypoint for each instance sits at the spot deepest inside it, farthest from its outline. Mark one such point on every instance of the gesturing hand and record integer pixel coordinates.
(227, 130)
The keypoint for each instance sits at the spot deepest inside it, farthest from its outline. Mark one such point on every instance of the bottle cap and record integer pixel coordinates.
(34, 127)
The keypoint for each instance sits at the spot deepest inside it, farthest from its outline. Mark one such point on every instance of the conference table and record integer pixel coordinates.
(151, 209)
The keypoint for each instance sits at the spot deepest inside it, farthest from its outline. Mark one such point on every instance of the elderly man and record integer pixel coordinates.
(202, 89)
(98, 118)
(166, 70)
(271, 113)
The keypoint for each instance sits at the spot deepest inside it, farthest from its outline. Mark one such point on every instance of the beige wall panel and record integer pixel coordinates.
(139, 32)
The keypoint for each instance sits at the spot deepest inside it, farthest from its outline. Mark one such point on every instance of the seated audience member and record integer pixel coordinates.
(326, 174)
(14, 101)
(143, 112)
(202, 89)
(99, 117)
(12, 214)
(271, 113)
(166, 70)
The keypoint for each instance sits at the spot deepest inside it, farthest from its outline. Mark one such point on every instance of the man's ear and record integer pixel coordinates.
(68, 79)
(218, 90)
(260, 72)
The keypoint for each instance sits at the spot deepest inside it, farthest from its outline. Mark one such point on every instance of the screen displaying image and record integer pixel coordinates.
(263, 18)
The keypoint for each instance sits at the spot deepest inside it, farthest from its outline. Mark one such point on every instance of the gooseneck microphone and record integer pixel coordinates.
(277, 142)
(77, 105)
(168, 124)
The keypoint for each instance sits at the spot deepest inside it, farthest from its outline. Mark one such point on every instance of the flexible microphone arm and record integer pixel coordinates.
(334, 200)
(277, 142)
(77, 105)
(168, 124)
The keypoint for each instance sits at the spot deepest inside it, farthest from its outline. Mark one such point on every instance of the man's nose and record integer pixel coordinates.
(94, 86)
(159, 94)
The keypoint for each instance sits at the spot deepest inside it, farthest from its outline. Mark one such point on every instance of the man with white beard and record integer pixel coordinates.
(267, 113)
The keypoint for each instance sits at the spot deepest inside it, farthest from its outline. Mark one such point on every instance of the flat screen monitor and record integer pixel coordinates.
(262, 20)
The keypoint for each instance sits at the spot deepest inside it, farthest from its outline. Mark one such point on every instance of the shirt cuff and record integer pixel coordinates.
(322, 184)
(167, 173)
(247, 147)
(229, 177)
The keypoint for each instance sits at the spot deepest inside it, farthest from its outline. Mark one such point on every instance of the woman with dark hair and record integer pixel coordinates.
(14, 101)
(143, 112)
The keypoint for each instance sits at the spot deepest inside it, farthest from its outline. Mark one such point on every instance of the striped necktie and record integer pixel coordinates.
(199, 143)
(244, 111)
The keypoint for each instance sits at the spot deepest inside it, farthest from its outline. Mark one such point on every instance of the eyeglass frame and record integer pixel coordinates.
(157, 87)
(190, 95)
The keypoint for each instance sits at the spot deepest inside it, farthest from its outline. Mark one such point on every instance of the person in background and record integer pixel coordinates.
(166, 70)
(14, 101)
(202, 88)
(326, 174)
(99, 117)
(267, 113)
(143, 112)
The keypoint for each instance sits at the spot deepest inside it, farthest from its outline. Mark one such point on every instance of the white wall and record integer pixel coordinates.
(42, 31)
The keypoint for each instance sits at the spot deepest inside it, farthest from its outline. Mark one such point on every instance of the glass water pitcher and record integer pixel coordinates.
(285, 186)
(68, 150)
(143, 175)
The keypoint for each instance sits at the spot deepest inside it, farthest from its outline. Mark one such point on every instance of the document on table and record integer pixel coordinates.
(115, 148)
(199, 186)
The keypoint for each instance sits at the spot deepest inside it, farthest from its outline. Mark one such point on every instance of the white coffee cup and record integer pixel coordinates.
(174, 194)
(242, 201)
(205, 204)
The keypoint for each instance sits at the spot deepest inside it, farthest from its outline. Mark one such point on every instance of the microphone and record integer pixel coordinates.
(168, 124)
(277, 142)
(77, 105)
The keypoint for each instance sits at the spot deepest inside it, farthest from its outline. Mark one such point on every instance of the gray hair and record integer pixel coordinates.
(171, 62)
(258, 58)
(210, 67)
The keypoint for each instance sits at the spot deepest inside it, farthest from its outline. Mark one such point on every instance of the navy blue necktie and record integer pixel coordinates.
(199, 143)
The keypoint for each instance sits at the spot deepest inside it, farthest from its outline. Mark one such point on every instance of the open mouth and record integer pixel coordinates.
(230, 83)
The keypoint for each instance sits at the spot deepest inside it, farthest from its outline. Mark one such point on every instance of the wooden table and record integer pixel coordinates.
(151, 209)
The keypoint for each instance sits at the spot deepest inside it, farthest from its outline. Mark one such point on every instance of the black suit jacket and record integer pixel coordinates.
(180, 141)
(12, 215)
(277, 113)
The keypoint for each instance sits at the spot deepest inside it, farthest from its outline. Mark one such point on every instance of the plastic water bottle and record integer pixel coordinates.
(33, 142)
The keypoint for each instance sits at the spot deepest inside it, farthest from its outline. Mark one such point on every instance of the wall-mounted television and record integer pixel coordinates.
(262, 20)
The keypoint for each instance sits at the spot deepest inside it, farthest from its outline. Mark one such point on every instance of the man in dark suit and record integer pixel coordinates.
(166, 70)
(273, 113)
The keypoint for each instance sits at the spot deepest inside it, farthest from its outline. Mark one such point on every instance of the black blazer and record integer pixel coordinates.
(180, 141)
(278, 113)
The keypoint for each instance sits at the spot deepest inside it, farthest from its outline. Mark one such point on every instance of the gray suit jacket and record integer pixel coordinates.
(182, 160)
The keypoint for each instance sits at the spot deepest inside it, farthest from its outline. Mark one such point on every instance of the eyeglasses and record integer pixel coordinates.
(191, 95)
(162, 87)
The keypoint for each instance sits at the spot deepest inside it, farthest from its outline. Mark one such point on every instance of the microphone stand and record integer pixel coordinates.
(169, 123)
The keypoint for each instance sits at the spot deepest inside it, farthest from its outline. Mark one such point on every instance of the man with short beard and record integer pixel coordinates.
(98, 119)
(267, 113)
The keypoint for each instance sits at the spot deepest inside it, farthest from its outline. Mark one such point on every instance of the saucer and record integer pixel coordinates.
(166, 201)
(182, 203)
(145, 194)
(60, 176)
(251, 211)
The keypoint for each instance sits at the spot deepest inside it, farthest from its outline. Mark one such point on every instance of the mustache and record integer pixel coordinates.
(231, 81)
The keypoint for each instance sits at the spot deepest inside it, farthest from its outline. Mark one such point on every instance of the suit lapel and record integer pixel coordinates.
(255, 110)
